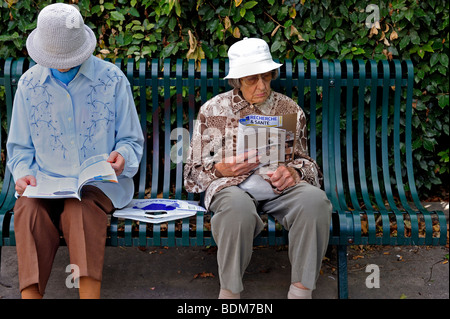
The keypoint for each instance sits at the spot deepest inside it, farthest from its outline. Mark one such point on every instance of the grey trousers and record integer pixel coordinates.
(304, 210)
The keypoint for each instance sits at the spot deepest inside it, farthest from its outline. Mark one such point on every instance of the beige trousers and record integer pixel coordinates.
(304, 210)
(37, 226)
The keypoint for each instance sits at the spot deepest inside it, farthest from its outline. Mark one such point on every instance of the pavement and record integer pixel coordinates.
(184, 273)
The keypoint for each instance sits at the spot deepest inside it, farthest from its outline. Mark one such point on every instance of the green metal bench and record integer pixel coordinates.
(363, 108)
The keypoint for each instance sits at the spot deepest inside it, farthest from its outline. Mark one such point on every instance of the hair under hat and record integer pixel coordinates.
(61, 40)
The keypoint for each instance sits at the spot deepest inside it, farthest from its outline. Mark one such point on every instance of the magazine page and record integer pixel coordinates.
(272, 136)
(290, 126)
(158, 210)
(96, 169)
(274, 139)
(52, 187)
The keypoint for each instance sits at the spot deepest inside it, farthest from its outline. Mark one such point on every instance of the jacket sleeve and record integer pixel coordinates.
(199, 170)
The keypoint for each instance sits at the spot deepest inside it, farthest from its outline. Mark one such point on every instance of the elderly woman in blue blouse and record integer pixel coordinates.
(68, 107)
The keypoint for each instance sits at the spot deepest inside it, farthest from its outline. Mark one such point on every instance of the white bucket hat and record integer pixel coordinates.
(248, 57)
(61, 40)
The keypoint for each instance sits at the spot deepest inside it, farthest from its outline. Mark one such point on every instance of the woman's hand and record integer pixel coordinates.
(238, 165)
(23, 182)
(281, 178)
(117, 162)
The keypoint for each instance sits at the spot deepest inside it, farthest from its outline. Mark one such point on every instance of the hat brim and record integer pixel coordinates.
(65, 60)
(252, 69)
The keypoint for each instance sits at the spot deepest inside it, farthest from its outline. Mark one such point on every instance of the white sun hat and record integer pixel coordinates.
(248, 57)
(61, 40)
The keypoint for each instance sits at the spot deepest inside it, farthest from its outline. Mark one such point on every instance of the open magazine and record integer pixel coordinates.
(94, 169)
(272, 136)
(158, 210)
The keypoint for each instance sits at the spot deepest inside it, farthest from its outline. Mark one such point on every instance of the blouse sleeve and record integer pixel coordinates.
(199, 170)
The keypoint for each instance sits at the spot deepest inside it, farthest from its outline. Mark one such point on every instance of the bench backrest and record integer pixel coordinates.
(359, 115)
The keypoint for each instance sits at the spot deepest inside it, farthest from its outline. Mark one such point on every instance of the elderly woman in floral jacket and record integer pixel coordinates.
(291, 192)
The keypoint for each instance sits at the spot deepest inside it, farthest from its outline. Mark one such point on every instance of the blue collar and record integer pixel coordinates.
(65, 77)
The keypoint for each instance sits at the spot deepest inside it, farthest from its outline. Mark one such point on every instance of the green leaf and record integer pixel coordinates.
(333, 46)
(442, 70)
(250, 16)
(109, 6)
(358, 51)
(409, 14)
(223, 49)
(172, 23)
(250, 4)
(167, 51)
(178, 8)
(132, 49)
(138, 36)
(117, 16)
(282, 13)
(324, 22)
(344, 10)
(404, 42)
(427, 47)
(13, 36)
(434, 59)
(443, 100)
(416, 144)
(415, 39)
(443, 58)
(322, 47)
(275, 46)
(134, 12)
(428, 143)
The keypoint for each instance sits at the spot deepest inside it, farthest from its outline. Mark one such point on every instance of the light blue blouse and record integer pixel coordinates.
(55, 127)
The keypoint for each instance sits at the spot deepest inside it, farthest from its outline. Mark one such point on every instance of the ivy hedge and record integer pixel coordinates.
(294, 29)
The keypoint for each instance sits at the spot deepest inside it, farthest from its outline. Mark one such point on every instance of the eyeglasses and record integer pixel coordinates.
(253, 79)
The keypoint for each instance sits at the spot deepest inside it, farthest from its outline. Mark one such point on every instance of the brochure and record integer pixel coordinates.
(272, 136)
(158, 210)
(94, 169)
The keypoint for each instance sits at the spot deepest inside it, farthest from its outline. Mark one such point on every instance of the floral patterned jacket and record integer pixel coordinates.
(214, 136)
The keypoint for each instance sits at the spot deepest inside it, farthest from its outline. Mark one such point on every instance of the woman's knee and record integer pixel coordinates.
(232, 201)
(27, 210)
(312, 205)
(85, 212)
(317, 201)
(234, 209)
(93, 202)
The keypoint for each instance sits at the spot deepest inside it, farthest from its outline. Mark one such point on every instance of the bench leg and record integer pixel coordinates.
(342, 272)
(1, 282)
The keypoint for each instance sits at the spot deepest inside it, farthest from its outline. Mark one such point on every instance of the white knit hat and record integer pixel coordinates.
(61, 40)
(248, 57)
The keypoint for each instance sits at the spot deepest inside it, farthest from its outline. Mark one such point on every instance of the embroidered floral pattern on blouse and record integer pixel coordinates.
(100, 102)
(41, 115)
